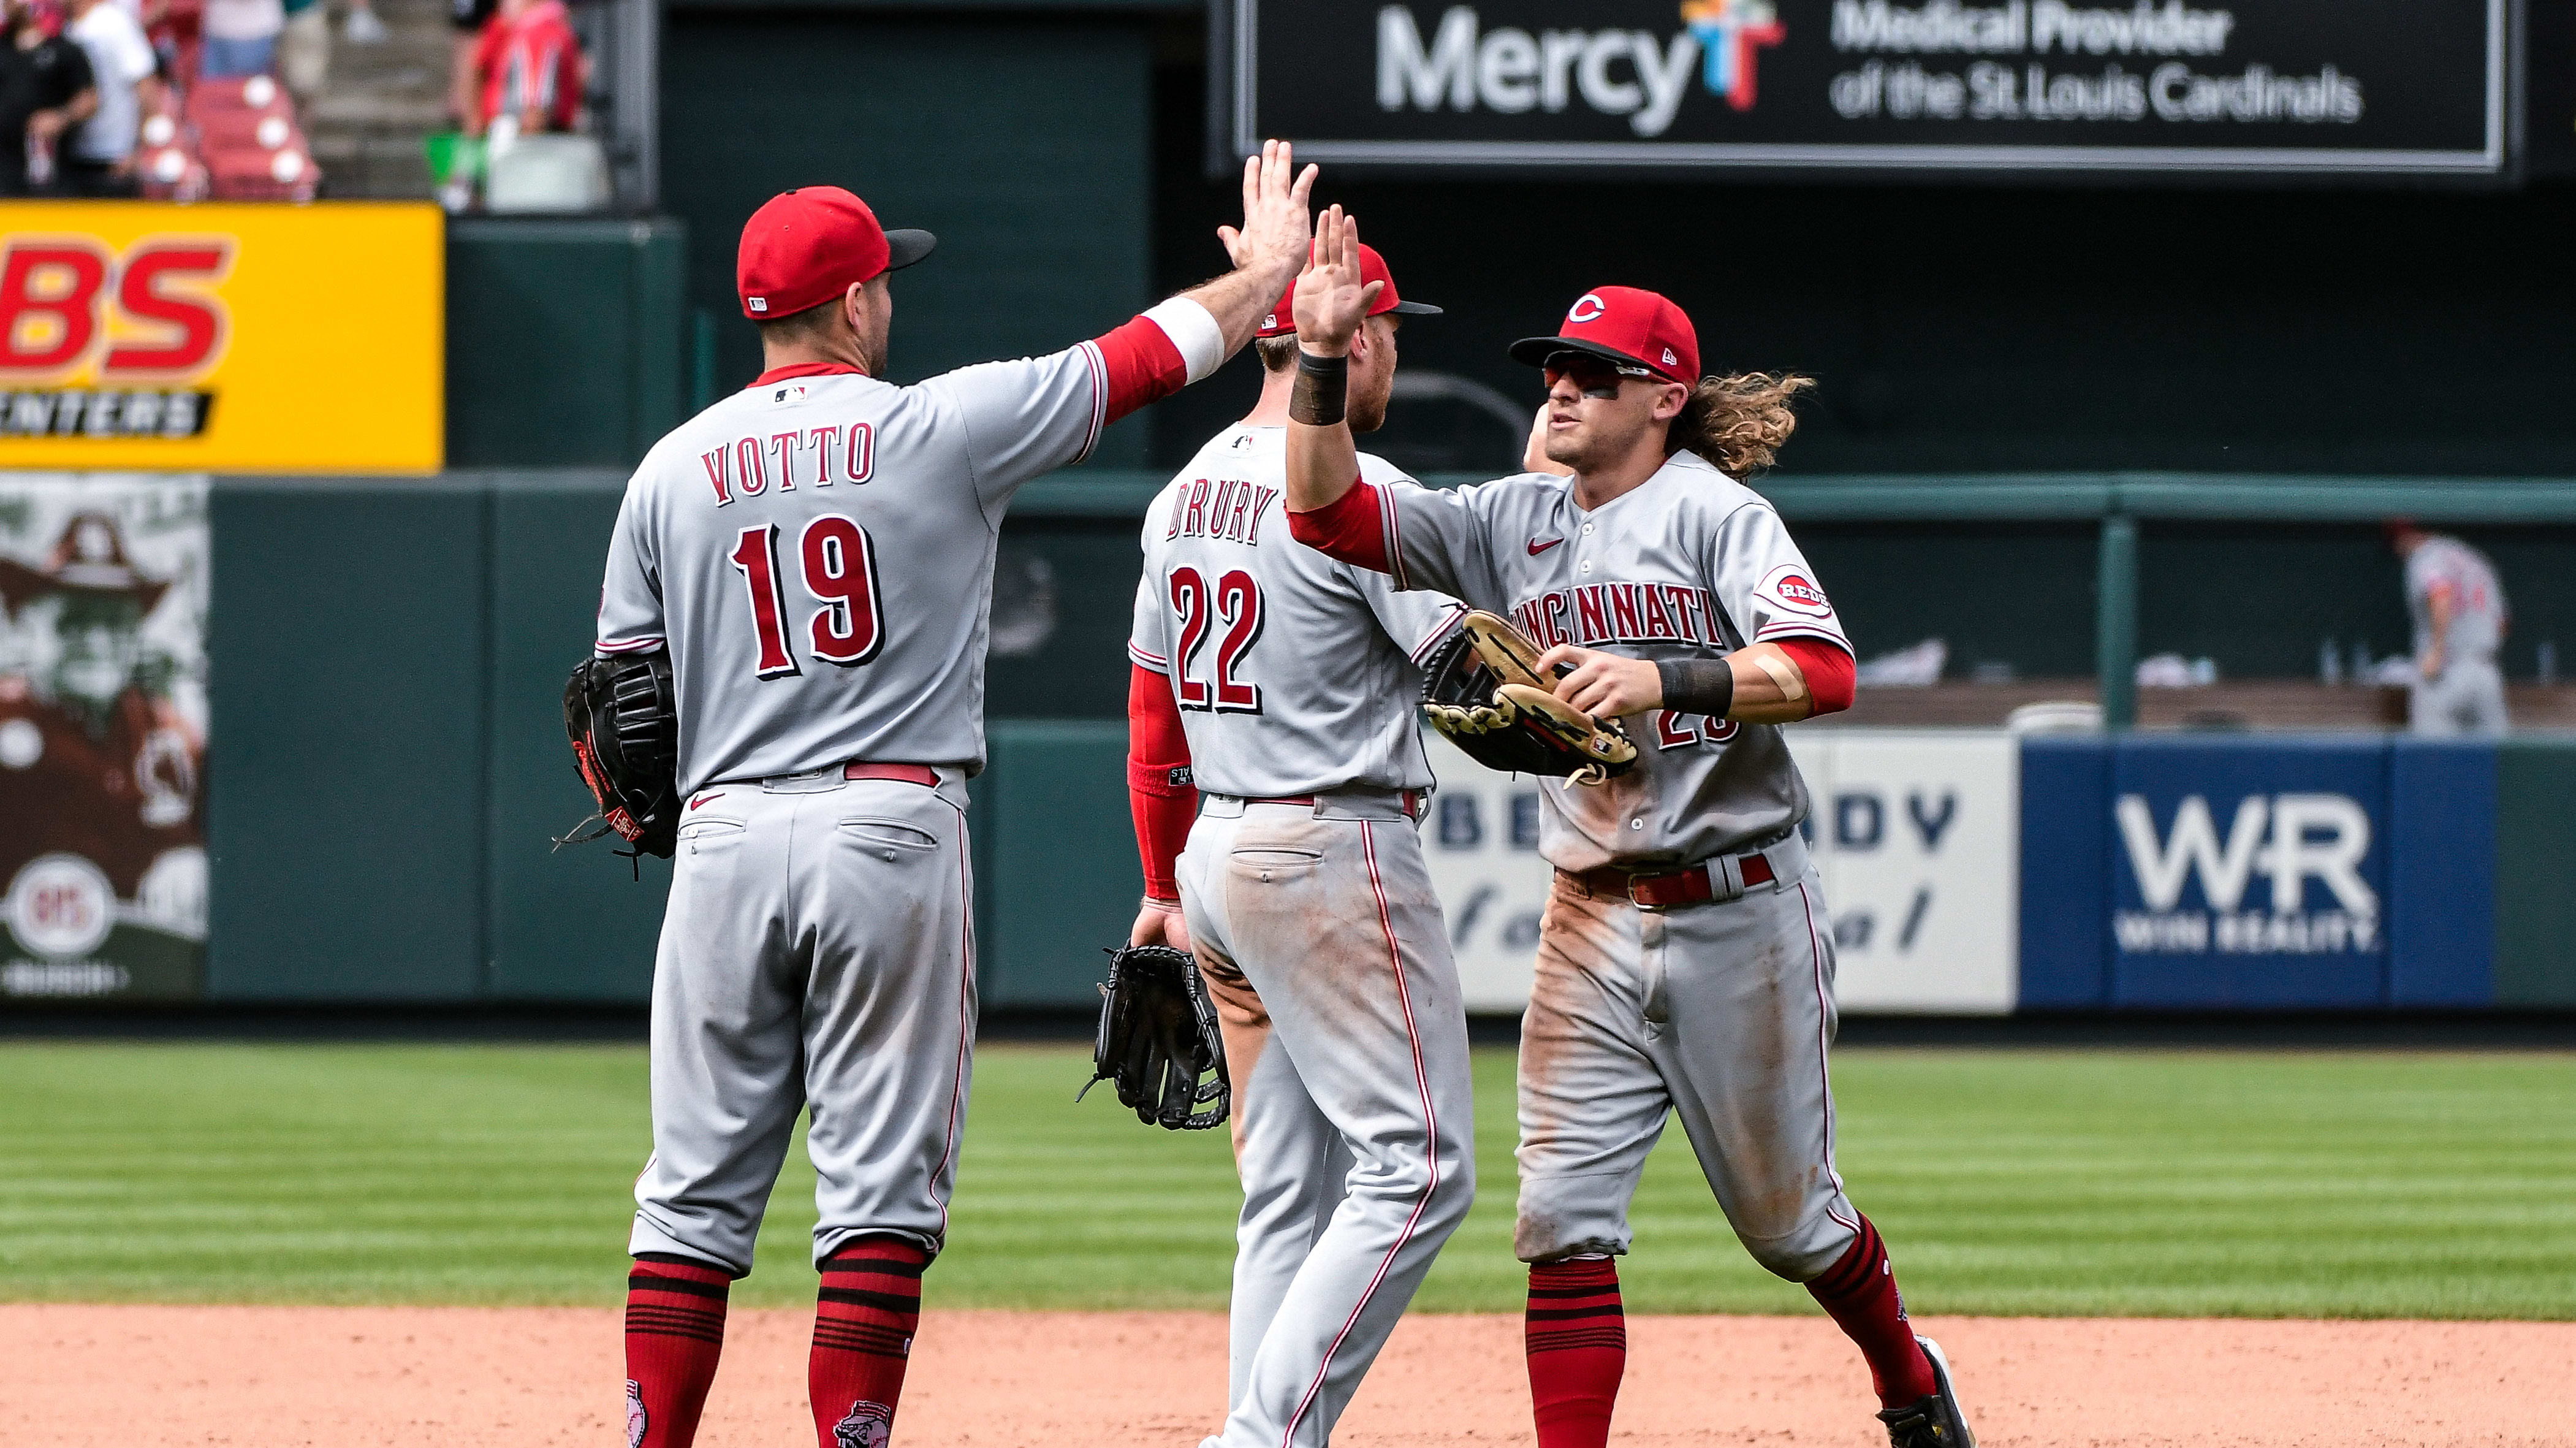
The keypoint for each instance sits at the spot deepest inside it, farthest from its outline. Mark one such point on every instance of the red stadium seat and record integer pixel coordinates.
(251, 174)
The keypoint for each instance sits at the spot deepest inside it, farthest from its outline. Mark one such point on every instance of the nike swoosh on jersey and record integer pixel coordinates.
(1536, 547)
(702, 799)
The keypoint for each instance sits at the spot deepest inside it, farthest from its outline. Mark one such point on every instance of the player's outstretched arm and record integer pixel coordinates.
(1267, 250)
(1332, 301)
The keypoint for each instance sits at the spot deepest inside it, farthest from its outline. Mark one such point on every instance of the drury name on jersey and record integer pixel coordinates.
(1229, 509)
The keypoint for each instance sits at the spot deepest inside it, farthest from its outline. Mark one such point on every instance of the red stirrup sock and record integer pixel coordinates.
(1860, 1293)
(675, 1317)
(1578, 1347)
(864, 1318)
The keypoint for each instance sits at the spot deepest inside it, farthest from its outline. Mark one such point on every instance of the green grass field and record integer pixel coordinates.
(2094, 1182)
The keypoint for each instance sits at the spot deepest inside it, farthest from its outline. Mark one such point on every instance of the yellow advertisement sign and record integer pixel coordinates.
(142, 336)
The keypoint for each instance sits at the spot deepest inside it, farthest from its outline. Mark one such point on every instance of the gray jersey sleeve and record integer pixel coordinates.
(1026, 418)
(630, 596)
(1147, 646)
(1444, 539)
(1765, 584)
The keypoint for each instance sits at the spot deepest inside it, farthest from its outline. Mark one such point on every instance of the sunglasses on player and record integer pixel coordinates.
(1595, 376)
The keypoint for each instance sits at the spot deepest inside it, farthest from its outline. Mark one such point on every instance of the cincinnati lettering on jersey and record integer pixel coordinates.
(821, 456)
(1230, 509)
(1623, 613)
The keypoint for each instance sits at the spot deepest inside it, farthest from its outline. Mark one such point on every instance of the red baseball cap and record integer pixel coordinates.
(1282, 320)
(804, 247)
(1623, 324)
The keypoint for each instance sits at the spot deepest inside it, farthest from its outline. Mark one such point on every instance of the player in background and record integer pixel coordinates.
(816, 552)
(2460, 616)
(1685, 957)
(1271, 722)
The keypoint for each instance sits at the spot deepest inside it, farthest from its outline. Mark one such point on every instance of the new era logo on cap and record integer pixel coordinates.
(757, 304)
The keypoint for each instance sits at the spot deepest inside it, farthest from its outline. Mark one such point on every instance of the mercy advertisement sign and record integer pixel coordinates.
(2361, 87)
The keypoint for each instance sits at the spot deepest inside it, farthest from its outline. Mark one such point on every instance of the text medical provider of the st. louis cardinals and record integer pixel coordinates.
(1685, 960)
(1283, 683)
(816, 552)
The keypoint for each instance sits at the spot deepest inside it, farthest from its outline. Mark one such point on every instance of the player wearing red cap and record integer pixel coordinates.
(1271, 723)
(816, 553)
(1685, 961)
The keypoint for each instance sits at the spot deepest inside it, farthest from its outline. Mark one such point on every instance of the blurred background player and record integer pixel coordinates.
(2459, 610)
(816, 553)
(1686, 957)
(1273, 699)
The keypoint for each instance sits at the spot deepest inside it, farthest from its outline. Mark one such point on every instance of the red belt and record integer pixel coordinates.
(1412, 802)
(920, 774)
(1667, 887)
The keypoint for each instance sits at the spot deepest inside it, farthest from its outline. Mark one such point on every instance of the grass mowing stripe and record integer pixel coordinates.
(2311, 1184)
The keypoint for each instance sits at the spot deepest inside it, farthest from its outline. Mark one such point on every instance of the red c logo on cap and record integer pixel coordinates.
(1578, 313)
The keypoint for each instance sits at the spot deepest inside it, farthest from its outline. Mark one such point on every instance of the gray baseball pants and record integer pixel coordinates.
(2466, 700)
(1347, 1042)
(817, 951)
(1719, 1013)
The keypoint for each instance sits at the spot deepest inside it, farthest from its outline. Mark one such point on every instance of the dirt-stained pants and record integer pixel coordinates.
(817, 948)
(1318, 927)
(1720, 1012)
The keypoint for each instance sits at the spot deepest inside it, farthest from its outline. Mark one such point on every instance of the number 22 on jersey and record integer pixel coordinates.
(1235, 602)
(836, 565)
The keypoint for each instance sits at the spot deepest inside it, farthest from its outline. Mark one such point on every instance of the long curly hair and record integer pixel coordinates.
(1738, 422)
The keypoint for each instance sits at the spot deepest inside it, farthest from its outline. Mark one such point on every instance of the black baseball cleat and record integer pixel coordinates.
(1935, 1421)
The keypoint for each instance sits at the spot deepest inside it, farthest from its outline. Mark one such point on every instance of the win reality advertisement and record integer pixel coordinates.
(2356, 87)
(103, 589)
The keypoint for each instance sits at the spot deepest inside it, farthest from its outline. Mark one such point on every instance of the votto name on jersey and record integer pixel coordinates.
(1622, 613)
(817, 456)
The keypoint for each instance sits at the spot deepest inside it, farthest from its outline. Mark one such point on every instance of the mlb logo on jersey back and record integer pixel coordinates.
(1793, 590)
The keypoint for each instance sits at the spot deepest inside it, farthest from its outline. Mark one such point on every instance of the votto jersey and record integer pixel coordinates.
(2477, 598)
(1691, 564)
(1295, 674)
(817, 551)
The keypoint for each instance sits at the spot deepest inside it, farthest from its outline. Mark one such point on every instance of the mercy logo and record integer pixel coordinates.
(1731, 33)
(1507, 70)
(2289, 839)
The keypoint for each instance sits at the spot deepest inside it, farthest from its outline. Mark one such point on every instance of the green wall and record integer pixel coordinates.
(1020, 139)
(563, 341)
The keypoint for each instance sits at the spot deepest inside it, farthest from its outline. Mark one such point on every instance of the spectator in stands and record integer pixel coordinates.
(241, 37)
(530, 68)
(464, 91)
(304, 50)
(45, 90)
(99, 160)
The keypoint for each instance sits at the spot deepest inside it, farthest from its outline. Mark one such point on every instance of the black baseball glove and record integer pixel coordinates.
(1481, 688)
(624, 719)
(1158, 1040)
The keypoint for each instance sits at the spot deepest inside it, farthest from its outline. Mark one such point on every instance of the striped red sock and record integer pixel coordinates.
(675, 1318)
(1859, 1292)
(1578, 1348)
(864, 1317)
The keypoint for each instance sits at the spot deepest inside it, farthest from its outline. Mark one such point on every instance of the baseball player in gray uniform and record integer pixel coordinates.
(1685, 957)
(816, 553)
(2459, 610)
(1271, 721)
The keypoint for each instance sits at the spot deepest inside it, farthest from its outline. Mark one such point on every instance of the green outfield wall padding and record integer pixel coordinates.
(576, 923)
(1022, 140)
(346, 771)
(1056, 872)
(563, 341)
(2535, 848)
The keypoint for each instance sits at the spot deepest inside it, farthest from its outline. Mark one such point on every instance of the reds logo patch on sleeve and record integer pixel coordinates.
(1791, 589)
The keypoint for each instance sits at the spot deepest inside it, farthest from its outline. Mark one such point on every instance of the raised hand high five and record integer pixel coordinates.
(1267, 249)
(1331, 300)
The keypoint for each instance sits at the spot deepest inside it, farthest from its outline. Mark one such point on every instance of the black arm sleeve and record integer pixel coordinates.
(1698, 686)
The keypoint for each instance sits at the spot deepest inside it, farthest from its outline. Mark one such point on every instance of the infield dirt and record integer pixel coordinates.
(287, 1377)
